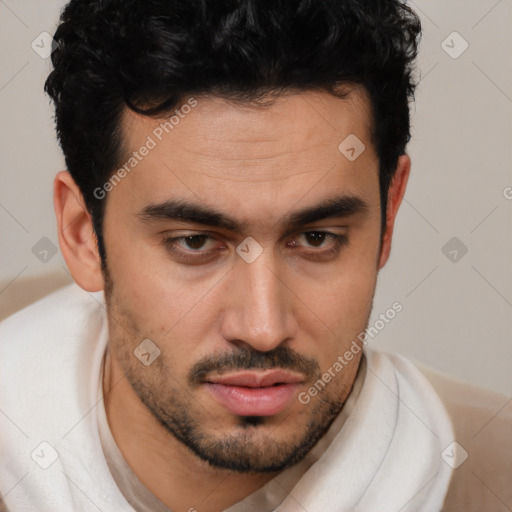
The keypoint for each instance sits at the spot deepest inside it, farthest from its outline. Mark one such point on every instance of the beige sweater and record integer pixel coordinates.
(53, 348)
(482, 422)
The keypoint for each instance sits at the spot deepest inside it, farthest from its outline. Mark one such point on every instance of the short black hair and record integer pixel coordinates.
(150, 55)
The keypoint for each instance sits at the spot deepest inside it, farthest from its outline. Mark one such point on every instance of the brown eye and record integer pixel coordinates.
(315, 238)
(194, 241)
(194, 248)
(318, 245)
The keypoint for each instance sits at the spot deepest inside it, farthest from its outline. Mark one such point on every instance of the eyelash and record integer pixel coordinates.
(171, 245)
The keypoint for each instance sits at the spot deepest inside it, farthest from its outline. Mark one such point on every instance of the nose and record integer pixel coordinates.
(260, 308)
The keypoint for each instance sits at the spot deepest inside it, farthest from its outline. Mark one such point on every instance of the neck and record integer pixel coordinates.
(170, 470)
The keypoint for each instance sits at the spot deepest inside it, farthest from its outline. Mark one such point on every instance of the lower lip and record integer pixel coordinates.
(244, 401)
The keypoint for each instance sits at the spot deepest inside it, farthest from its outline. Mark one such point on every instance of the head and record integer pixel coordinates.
(188, 127)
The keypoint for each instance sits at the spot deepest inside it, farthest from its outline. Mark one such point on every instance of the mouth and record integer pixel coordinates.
(263, 393)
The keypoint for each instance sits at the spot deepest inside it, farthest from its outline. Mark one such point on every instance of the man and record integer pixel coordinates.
(234, 173)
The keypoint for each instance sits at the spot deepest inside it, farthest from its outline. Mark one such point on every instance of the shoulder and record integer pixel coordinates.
(50, 363)
(52, 310)
(46, 353)
(481, 454)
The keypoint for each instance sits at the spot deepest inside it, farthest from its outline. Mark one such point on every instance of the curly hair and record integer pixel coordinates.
(148, 55)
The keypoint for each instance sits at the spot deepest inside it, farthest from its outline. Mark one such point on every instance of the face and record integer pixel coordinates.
(245, 245)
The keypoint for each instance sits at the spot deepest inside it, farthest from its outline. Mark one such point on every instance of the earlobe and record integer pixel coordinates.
(77, 239)
(395, 195)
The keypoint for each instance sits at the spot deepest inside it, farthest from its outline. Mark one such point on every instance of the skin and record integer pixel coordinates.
(256, 165)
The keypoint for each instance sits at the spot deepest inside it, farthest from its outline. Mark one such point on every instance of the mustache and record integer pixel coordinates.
(247, 359)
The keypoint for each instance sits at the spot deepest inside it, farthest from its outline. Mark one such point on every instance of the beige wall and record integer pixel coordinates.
(456, 315)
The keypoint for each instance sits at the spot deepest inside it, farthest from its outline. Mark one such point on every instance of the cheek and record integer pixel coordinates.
(338, 312)
(153, 299)
(337, 309)
(146, 284)
(342, 294)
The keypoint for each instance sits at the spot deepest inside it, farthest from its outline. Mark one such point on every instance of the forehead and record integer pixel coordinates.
(253, 132)
(250, 158)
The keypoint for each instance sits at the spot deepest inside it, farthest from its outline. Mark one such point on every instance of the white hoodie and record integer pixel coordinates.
(402, 448)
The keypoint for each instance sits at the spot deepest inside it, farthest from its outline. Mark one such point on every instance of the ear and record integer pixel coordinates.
(77, 239)
(395, 194)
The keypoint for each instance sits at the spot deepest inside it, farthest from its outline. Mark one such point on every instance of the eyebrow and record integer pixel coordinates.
(187, 211)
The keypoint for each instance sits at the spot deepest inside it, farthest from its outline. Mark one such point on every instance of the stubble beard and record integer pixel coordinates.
(246, 450)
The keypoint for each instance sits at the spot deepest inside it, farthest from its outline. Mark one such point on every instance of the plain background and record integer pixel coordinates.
(457, 305)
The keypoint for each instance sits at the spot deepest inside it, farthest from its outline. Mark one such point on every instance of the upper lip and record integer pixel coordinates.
(259, 379)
